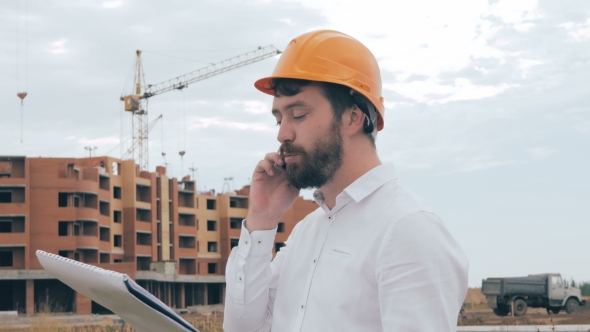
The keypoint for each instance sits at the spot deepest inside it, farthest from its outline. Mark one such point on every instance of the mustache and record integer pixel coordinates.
(288, 148)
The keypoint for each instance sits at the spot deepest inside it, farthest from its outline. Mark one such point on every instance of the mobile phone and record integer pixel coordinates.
(284, 165)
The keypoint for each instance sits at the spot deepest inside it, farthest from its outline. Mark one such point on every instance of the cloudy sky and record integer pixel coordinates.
(488, 102)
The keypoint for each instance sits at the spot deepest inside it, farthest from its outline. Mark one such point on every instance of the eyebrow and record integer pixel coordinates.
(290, 106)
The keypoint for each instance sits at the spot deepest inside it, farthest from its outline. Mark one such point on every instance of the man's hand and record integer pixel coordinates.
(270, 194)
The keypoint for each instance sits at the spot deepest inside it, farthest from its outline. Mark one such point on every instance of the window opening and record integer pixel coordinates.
(5, 258)
(211, 225)
(212, 246)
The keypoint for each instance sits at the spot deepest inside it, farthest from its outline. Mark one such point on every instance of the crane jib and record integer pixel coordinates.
(181, 82)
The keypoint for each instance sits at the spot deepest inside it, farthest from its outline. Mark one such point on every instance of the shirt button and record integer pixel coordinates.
(259, 242)
(330, 217)
(314, 261)
(302, 306)
(246, 242)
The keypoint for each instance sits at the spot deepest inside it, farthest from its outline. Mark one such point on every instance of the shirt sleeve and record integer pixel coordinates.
(251, 277)
(422, 276)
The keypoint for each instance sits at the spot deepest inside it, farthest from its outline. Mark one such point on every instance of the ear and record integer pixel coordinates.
(353, 120)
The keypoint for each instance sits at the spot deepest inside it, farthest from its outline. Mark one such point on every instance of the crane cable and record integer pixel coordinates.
(181, 123)
(22, 94)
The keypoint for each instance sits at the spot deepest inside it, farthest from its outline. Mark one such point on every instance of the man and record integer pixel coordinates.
(373, 256)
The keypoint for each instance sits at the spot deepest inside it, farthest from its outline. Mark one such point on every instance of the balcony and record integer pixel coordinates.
(104, 246)
(13, 209)
(104, 195)
(143, 226)
(13, 238)
(238, 202)
(186, 186)
(143, 215)
(12, 168)
(143, 193)
(187, 241)
(68, 242)
(12, 258)
(186, 219)
(143, 250)
(87, 214)
(238, 206)
(104, 182)
(83, 241)
(87, 186)
(187, 266)
(13, 224)
(89, 256)
(10, 194)
(187, 252)
(143, 239)
(187, 230)
(186, 200)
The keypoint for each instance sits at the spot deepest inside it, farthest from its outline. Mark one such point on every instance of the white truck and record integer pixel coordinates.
(550, 291)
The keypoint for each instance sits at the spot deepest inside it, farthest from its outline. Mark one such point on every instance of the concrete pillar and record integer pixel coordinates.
(83, 305)
(206, 294)
(223, 293)
(182, 296)
(30, 297)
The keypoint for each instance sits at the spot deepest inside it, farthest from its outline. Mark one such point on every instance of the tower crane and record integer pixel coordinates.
(136, 102)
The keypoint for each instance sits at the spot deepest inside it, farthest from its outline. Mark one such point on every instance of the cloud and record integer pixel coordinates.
(479, 163)
(199, 122)
(59, 47)
(540, 152)
(285, 20)
(109, 140)
(112, 4)
(433, 92)
(525, 65)
(583, 127)
(578, 32)
(251, 106)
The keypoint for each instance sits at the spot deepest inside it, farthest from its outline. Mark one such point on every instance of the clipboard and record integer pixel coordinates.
(117, 292)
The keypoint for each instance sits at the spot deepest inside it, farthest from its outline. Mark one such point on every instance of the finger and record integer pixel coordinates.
(264, 166)
(274, 157)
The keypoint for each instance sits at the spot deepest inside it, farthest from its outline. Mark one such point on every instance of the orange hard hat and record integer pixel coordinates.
(334, 57)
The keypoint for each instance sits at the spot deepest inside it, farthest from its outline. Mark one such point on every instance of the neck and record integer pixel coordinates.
(355, 163)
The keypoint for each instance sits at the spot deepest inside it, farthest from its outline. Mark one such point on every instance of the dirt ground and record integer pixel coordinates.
(477, 312)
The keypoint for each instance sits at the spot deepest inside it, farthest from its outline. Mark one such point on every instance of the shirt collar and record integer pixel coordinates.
(364, 185)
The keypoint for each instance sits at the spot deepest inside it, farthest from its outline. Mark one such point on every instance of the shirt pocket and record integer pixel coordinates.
(339, 256)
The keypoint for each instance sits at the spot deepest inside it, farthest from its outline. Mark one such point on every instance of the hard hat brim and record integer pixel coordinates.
(263, 85)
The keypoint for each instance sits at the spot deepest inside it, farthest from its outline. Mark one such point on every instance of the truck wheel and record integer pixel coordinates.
(502, 311)
(572, 306)
(519, 307)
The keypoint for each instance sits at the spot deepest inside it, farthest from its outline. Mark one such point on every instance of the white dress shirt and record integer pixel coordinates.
(380, 260)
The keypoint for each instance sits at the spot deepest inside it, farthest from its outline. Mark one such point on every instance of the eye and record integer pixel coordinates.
(299, 117)
(278, 123)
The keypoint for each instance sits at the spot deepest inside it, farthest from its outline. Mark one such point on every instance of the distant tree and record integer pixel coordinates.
(573, 283)
(584, 287)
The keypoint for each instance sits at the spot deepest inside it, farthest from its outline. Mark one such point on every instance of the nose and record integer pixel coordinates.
(286, 132)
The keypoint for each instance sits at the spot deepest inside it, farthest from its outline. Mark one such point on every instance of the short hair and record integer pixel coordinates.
(338, 95)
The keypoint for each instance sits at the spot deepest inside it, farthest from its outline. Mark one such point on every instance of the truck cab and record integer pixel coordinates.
(562, 295)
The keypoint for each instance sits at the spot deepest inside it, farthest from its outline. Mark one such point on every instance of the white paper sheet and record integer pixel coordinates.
(117, 292)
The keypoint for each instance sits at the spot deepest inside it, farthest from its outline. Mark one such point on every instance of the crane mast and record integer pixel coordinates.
(136, 102)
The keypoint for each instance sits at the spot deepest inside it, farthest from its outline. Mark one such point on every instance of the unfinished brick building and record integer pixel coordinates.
(103, 211)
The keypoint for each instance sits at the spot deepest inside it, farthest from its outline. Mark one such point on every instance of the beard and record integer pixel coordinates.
(318, 166)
